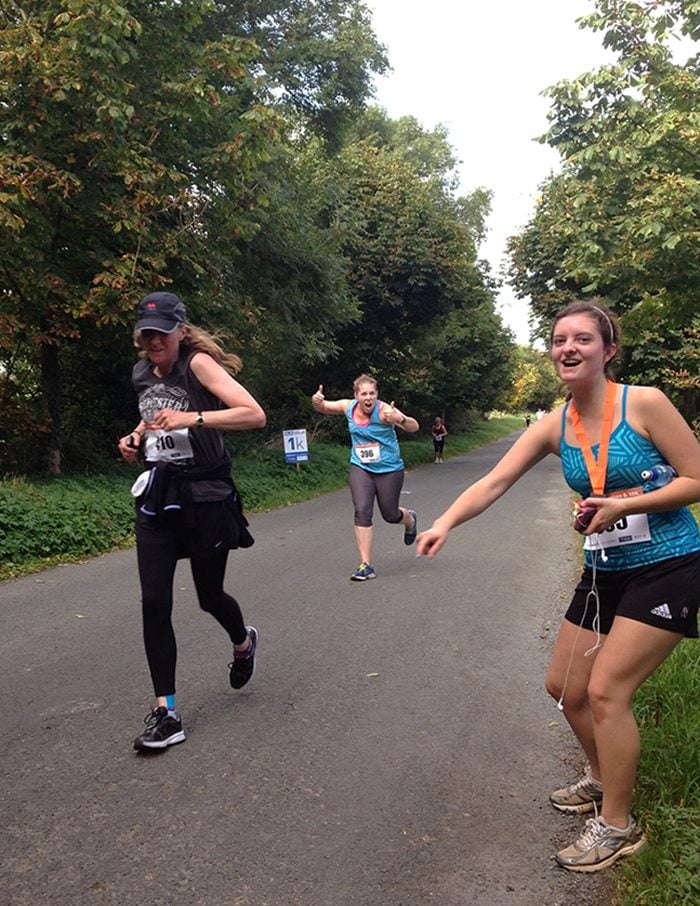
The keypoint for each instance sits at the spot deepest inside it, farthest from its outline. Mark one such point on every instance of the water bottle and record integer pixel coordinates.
(657, 477)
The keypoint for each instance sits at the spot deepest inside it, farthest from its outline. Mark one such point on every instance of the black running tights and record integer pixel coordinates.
(156, 572)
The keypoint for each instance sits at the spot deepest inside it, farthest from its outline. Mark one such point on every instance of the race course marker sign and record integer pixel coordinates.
(296, 448)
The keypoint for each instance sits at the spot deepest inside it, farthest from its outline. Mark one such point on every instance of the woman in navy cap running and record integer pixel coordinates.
(186, 502)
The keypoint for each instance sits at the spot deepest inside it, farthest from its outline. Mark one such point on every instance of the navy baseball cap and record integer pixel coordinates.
(161, 311)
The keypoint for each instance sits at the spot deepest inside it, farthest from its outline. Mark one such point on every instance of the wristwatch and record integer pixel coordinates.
(199, 420)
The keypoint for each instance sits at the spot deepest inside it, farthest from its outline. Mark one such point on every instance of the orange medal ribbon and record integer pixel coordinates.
(596, 469)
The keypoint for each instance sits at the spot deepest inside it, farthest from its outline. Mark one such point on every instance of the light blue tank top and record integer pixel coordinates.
(673, 533)
(365, 437)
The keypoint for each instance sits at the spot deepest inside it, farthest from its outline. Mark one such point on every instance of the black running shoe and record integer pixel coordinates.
(162, 730)
(242, 667)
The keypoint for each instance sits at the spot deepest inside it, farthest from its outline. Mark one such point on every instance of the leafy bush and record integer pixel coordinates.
(62, 517)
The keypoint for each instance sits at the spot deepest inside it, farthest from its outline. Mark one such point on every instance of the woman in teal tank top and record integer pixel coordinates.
(376, 467)
(639, 593)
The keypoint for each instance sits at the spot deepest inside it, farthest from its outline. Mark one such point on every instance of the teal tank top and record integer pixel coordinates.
(373, 447)
(673, 533)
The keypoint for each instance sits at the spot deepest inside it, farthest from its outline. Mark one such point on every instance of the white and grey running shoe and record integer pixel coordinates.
(599, 845)
(584, 795)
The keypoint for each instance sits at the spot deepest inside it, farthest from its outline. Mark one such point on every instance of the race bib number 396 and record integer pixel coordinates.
(368, 452)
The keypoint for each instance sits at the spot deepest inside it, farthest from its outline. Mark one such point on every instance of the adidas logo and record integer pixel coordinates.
(662, 610)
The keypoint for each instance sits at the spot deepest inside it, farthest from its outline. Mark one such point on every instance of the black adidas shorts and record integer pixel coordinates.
(665, 594)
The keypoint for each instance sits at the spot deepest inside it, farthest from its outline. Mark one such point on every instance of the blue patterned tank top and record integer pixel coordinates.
(673, 533)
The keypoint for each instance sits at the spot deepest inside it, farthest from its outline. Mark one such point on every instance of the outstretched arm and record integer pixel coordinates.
(527, 451)
(328, 407)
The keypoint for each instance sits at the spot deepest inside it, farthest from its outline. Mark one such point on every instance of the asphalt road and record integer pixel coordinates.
(395, 748)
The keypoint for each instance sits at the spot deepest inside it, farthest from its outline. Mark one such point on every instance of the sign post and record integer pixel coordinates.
(296, 449)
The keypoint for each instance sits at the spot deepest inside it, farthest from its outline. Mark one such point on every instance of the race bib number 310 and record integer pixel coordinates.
(168, 446)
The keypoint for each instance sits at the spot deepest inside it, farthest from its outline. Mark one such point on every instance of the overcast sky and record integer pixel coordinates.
(479, 68)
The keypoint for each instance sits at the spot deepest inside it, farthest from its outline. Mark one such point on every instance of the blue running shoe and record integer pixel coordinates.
(409, 535)
(363, 572)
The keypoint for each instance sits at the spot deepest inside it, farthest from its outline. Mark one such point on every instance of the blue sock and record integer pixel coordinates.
(170, 702)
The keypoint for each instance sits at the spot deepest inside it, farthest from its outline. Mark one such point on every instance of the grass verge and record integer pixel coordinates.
(667, 798)
(46, 522)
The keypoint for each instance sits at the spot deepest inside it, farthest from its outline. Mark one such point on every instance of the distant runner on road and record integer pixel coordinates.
(376, 466)
(440, 432)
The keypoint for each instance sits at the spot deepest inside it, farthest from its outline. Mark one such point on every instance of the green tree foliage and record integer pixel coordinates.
(125, 146)
(220, 148)
(535, 385)
(428, 327)
(318, 58)
(141, 145)
(292, 282)
(621, 218)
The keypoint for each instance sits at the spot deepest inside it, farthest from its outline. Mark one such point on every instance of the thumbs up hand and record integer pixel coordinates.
(317, 400)
(392, 416)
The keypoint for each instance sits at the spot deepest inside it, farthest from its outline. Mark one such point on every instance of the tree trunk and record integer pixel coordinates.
(51, 406)
(689, 406)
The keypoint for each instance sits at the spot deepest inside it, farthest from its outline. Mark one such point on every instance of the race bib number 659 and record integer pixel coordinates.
(632, 529)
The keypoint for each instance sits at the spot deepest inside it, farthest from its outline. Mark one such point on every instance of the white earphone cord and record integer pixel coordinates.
(595, 626)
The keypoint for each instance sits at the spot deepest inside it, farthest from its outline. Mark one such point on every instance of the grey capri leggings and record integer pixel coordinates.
(385, 486)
